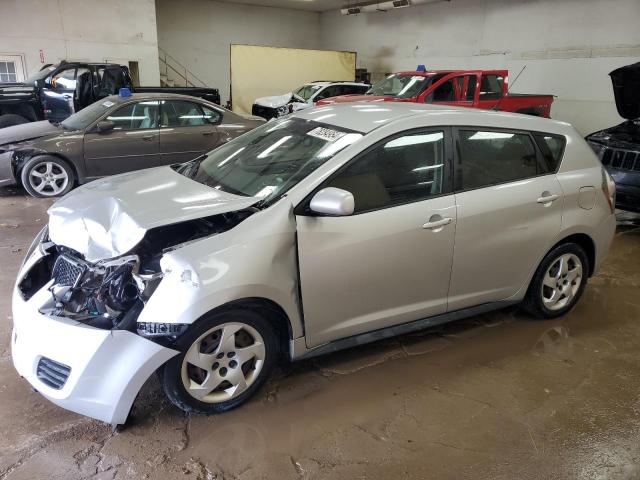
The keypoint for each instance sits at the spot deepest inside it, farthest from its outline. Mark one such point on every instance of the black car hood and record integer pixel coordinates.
(626, 90)
(27, 131)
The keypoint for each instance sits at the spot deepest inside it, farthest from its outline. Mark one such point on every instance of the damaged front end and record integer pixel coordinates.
(111, 293)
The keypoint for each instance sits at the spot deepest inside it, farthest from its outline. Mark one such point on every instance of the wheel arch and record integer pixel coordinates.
(20, 163)
(587, 244)
(266, 307)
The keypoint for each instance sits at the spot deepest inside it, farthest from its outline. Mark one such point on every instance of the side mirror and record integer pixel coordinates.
(333, 201)
(104, 126)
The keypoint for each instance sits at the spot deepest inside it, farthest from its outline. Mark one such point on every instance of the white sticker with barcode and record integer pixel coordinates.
(108, 103)
(326, 134)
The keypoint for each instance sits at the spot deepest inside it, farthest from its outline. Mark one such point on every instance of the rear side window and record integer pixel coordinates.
(405, 169)
(552, 148)
(491, 87)
(491, 157)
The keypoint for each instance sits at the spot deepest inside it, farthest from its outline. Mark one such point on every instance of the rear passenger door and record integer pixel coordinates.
(509, 207)
(187, 130)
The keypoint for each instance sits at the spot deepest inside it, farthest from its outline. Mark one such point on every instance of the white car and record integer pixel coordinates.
(326, 229)
(304, 97)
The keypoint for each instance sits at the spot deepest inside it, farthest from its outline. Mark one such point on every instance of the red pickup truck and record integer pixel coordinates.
(464, 88)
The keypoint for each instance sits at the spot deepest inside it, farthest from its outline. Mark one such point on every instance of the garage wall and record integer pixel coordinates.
(568, 46)
(198, 34)
(88, 30)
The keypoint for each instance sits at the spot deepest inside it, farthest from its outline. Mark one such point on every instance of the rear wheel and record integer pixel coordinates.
(225, 360)
(47, 176)
(11, 119)
(558, 283)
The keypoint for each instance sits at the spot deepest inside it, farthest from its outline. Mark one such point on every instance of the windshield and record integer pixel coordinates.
(305, 92)
(40, 75)
(269, 160)
(85, 117)
(401, 86)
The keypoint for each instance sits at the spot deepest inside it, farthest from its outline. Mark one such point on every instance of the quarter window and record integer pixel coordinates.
(552, 147)
(491, 157)
(178, 113)
(135, 116)
(491, 87)
(404, 169)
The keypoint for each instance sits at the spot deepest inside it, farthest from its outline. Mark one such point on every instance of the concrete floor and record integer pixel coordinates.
(498, 396)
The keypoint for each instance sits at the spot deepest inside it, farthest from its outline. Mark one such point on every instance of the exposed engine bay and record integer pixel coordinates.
(110, 294)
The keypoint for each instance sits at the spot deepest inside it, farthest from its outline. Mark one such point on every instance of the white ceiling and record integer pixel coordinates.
(310, 5)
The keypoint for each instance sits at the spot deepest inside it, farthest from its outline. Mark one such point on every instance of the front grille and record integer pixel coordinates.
(52, 374)
(67, 271)
(619, 158)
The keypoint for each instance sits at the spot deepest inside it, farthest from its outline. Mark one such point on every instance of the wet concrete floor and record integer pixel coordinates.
(498, 396)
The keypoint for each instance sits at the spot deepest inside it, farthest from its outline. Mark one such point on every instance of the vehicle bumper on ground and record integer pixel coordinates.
(87, 370)
(6, 172)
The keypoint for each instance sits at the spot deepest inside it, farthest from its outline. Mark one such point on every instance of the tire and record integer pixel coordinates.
(46, 176)
(220, 363)
(11, 119)
(558, 282)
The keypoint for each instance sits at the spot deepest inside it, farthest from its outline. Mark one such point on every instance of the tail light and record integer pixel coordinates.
(609, 190)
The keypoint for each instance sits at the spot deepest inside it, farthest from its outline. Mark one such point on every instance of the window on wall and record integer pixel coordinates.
(404, 169)
(8, 72)
(491, 157)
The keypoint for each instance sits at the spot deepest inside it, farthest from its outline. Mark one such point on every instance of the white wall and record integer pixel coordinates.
(88, 30)
(198, 33)
(568, 46)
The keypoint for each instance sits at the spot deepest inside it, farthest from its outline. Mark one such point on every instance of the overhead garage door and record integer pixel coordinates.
(262, 71)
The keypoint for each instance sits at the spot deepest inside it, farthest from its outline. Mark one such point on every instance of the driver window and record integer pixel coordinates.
(445, 92)
(135, 116)
(64, 80)
(405, 169)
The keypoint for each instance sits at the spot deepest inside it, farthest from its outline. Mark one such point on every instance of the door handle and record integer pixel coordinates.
(208, 134)
(148, 138)
(436, 221)
(547, 198)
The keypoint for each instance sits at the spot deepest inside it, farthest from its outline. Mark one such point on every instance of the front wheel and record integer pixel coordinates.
(226, 358)
(558, 283)
(47, 176)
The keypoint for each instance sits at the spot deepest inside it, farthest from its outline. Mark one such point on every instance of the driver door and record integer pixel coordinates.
(133, 144)
(390, 262)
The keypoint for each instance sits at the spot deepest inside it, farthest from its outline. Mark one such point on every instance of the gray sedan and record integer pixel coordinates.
(114, 135)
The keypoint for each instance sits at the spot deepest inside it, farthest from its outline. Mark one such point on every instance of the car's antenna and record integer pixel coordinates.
(511, 84)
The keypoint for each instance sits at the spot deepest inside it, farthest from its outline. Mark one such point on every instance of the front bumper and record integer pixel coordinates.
(107, 368)
(6, 172)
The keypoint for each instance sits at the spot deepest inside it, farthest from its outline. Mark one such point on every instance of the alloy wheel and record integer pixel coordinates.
(48, 178)
(223, 362)
(561, 281)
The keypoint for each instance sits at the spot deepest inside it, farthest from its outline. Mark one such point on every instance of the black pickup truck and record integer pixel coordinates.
(58, 90)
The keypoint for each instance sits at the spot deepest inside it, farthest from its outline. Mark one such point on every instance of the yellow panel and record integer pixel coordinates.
(263, 71)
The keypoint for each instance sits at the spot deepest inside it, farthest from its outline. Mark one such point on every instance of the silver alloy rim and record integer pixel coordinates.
(48, 178)
(561, 281)
(223, 362)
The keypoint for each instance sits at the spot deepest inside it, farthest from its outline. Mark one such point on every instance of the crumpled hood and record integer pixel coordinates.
(274, 101)
(27, 131)
(107, 218)
(626, 90)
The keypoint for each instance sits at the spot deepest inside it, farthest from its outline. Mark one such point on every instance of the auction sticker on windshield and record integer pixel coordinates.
(326, 134)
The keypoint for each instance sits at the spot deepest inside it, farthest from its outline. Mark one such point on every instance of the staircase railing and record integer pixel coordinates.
(184, 76)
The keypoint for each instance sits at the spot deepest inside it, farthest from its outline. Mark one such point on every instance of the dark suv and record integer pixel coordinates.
(57, 91)
(618, 147)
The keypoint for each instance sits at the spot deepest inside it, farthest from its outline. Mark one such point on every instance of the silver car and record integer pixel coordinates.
(325, 229)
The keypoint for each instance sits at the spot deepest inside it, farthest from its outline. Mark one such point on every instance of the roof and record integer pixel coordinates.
(152, 96)
(367, 116)
(324, 83)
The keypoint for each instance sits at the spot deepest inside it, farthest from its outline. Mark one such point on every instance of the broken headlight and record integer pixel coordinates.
(42, 236)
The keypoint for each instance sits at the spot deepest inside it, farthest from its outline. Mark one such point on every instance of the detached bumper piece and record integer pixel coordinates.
(52, 373)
